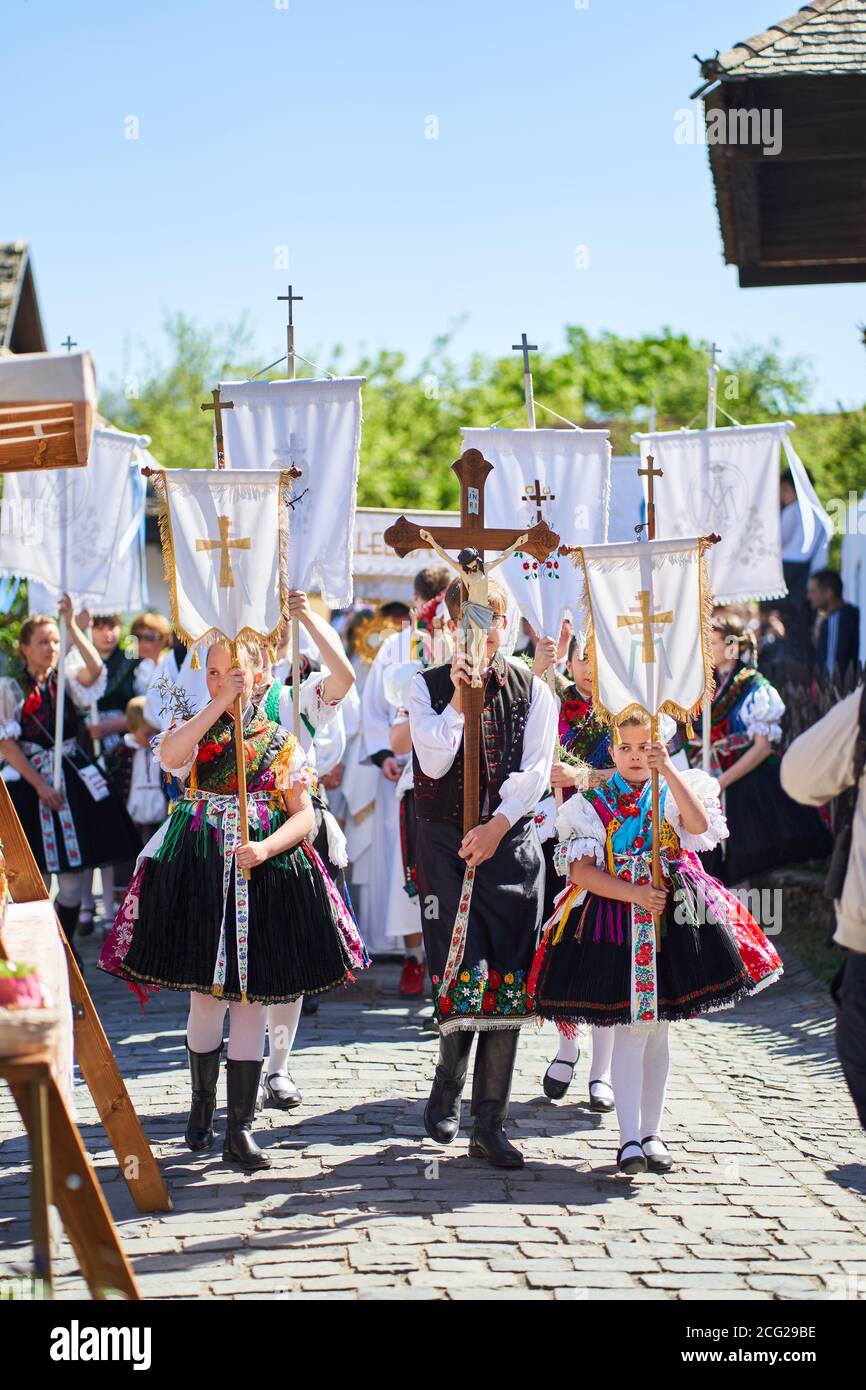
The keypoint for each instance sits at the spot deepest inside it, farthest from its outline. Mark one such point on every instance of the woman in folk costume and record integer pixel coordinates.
(321, 695)
(480, 984)
(585, 741)
(599, 960)
(767, 829)
(191, 921)
(83, 824)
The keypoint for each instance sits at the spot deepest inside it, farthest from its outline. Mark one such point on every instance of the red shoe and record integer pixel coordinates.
(412, 976)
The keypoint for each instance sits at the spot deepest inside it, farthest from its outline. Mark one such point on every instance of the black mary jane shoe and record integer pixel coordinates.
(554, 1089)
(635, 1163)
(659, 1163)
(281, 1091)
(600, 1104)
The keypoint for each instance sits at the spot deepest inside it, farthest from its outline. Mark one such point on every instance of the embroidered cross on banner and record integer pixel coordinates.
(538, 495)
(225, 547)
(646, 621)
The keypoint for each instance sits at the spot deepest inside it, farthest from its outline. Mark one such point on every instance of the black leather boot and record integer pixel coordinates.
(204, 1069)
(242, 1086)
(491, 1087)
(68, 918)
(442, 1111)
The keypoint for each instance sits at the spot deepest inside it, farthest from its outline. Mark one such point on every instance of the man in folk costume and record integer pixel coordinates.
(488, 993)
(399, 914)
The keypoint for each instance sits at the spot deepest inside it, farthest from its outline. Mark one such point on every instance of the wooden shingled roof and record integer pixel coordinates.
(792, 208)
(20, 321)
(824, 38)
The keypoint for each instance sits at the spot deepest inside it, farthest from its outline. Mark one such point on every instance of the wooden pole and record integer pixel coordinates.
(61, 705)
(707, 707)
(296, 627)
(526, 347)
(651, 475)
(240, 762)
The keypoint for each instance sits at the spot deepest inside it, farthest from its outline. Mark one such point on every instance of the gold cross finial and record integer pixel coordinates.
(218, 406)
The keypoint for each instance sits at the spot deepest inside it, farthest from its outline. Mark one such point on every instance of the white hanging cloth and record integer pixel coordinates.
(314, 426)
(79, 530)
(558, 476)
(727, 481)
(648, 614)
(224, 547)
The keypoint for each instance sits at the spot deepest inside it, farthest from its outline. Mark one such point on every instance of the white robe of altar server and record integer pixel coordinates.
(391, 914)
(357, 799)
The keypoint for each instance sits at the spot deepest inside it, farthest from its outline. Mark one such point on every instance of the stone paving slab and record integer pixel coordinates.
(768, 1199)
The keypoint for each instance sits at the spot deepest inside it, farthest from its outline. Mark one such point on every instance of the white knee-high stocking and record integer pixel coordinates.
(282, 1026)
(656, 1066)
(567, 1055)
(627, 1077)
(246, 1032)
(204, 1027)
(602, 1053)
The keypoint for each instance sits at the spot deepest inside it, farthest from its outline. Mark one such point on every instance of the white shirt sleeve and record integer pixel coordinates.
(330, 743)
(435, 737)
(84, 696)
(522, 790)
(182, 772)
(706, 789)
(761, 712)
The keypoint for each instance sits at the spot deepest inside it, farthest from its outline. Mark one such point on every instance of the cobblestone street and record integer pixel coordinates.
(768, 1199)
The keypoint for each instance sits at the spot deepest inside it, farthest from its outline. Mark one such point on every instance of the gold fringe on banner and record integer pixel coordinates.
(169, 566)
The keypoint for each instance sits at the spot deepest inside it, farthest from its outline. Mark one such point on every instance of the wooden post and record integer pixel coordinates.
(651, 473)
(92, 1050)
(240, 762)
(526, 348)
(707, 707)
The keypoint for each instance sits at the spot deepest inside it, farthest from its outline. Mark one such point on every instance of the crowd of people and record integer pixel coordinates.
(356, 846)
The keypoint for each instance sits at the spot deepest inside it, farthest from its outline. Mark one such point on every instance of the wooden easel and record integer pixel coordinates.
(55, 1141)
(472, 470)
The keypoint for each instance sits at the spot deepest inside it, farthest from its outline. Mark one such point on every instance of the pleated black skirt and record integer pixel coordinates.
(294, 945)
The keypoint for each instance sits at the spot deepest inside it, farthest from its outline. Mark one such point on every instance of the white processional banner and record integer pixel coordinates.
(225, 547)
(314, 426)
(648, 612)
(558, 476)
(727, 481)
(79, 530)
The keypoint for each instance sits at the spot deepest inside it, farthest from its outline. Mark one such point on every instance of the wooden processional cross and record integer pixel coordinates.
(472, 471)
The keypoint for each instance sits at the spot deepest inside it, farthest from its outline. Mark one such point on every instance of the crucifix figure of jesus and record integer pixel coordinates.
(472, 470)
(476, 618)
(225, 547)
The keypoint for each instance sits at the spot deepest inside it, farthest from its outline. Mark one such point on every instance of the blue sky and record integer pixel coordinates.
(302, 123)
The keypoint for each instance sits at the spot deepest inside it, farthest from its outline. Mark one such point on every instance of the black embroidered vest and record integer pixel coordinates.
(507, 697)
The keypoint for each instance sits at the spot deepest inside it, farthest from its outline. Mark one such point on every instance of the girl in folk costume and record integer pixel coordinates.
(191, 921)
(82, 824)
(767, 829)
(321, 695)
(585, 739)
(600, 961)
(479, 953)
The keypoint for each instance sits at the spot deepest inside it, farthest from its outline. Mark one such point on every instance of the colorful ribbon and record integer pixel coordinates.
(227, 810)
(458, 934)
(43, 760)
